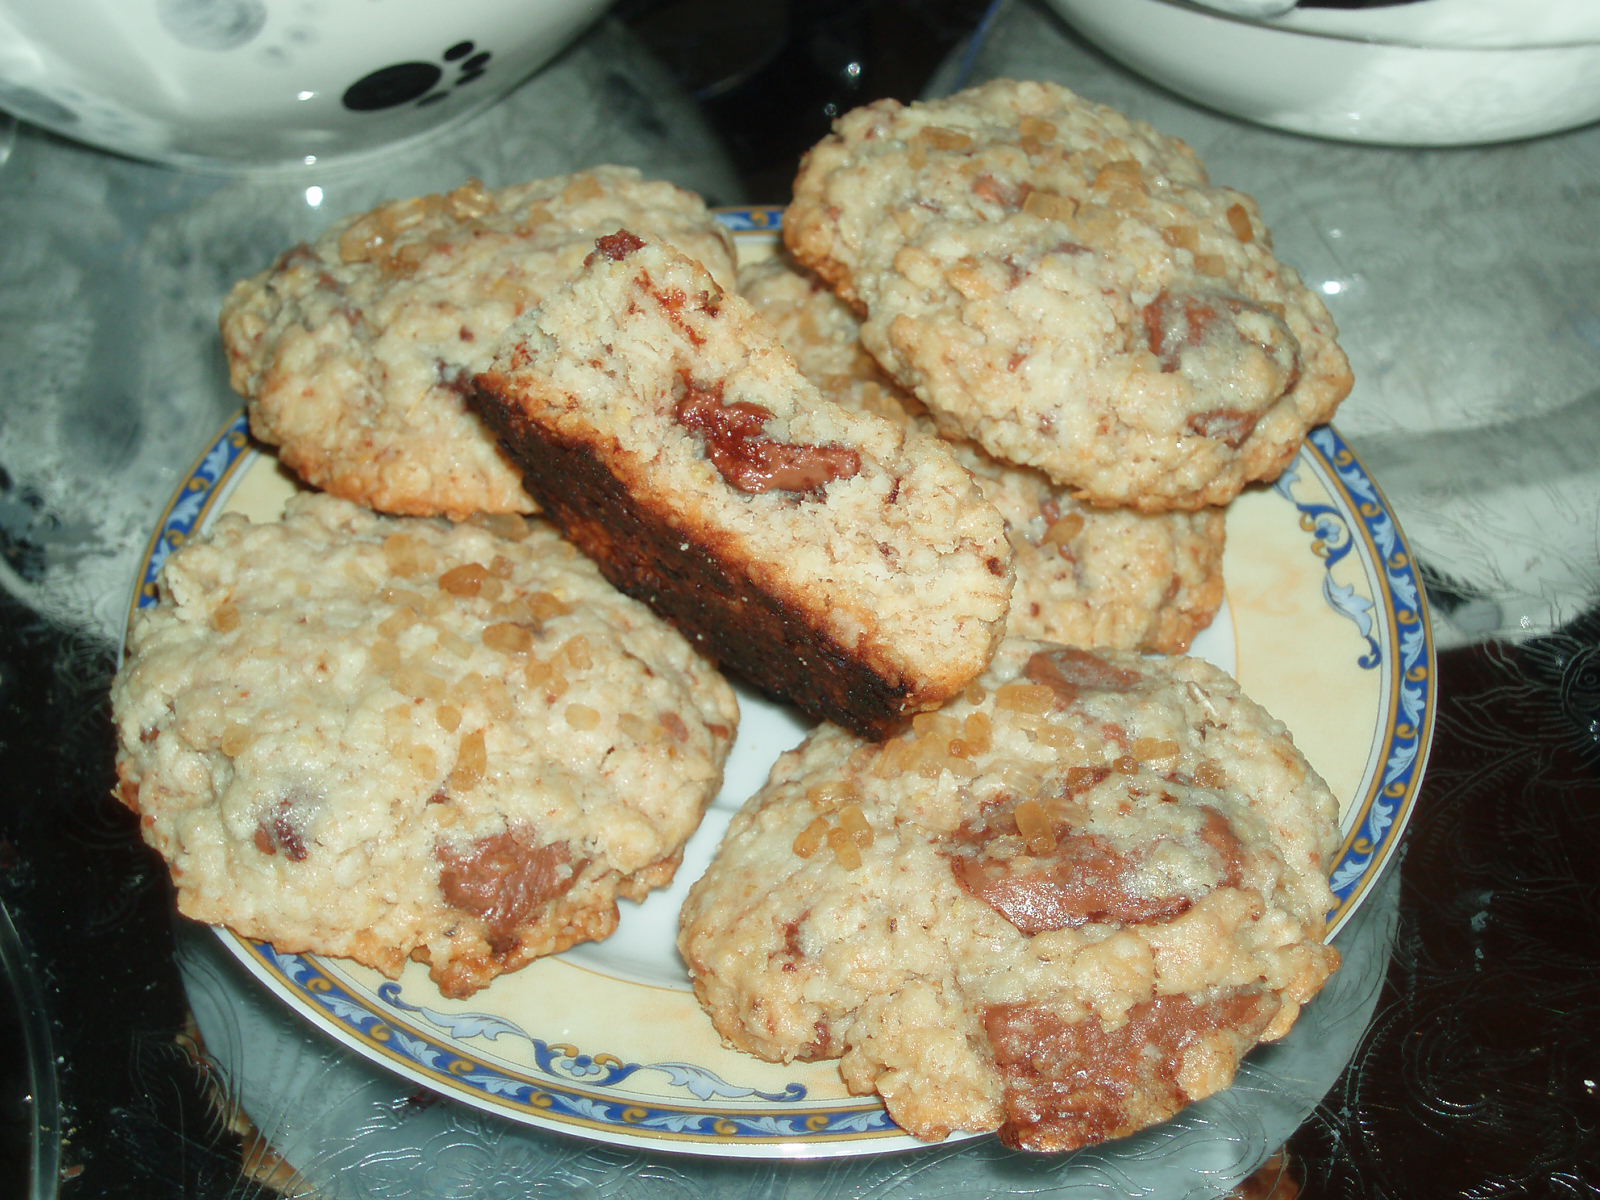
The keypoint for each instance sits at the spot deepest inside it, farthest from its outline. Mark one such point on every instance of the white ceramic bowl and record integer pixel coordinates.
(1426, 73)
(251, 83)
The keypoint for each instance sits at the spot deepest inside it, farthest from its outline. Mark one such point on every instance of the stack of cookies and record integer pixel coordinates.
(1065, 905)
(1085, 575)
(947, 475)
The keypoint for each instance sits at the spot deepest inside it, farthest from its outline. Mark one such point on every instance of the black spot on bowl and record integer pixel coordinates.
(404, 83)
(390, 87)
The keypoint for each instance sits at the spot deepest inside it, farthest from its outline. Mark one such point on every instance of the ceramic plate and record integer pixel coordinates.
(1324, 623)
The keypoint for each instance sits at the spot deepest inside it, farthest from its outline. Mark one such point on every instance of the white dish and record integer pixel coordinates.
(234, 85)
(1325, 624)
(1359, 75)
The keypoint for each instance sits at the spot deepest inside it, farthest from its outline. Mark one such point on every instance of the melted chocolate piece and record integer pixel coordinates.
(747, 458)
(279, 831)
(646, 551)
(1084, 879)
(615, 246)
(1176, 322)
(1218, 833)
(1230, 426)
(1073, 1083)
(1068, 671)
(504, 879)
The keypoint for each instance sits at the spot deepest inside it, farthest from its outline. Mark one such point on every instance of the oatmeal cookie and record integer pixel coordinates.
(353, 351)
(836, 560)
(382, 737)
(1062, 908)
(1086, 576)
(1067, 288)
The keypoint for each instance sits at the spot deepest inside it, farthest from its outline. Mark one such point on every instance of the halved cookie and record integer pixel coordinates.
(837, 561)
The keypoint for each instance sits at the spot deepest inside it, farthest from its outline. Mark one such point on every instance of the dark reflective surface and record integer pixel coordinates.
(1478, 1076)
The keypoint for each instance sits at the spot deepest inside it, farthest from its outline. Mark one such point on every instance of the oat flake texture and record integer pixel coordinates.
(1061, 908)
(354, 350)
(1087, 576)
(384, 738)
(1066, 287)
